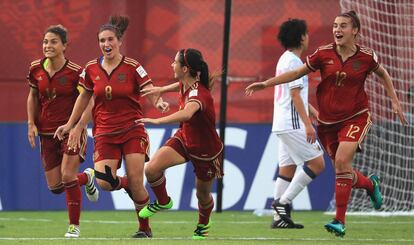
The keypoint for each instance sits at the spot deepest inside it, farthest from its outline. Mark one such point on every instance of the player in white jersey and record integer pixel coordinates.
(293, 127)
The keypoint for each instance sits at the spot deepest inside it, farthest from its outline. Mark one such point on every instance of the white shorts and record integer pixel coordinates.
(294, 149)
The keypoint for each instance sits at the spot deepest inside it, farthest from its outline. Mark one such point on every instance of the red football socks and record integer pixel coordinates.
(362, 182)
(158, 187)
(204, 212)
(343, 186)
(73, 201)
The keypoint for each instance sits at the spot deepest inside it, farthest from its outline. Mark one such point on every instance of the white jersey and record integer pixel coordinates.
(285, 116)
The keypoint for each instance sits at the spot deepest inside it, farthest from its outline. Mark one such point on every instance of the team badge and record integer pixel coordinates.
(97, 78)
(39, 78)
(356, 65)
(63, 80)
(121, 77)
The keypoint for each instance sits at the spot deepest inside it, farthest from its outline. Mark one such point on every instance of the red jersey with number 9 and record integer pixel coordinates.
(117, 95)
(57, 94)
(199, 133)
(340, 94)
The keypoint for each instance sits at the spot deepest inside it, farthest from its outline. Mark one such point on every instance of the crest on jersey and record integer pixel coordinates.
(356, 65)
(193, 92)
(121, 77)
(97, 78)
(63, 80)
(141, 71)
(39, 78)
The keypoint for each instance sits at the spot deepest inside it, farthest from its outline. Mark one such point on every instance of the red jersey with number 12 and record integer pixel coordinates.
(117, 95)
(341, 93)
(198, 134)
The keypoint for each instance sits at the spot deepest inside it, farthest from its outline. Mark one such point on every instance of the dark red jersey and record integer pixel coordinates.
(57, 94)
(117, 95)
(199, 133)
(341, 93)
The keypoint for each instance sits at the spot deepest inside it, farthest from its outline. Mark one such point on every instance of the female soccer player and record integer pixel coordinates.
(53, 84)
(344, 119)
(116, 81)
(293, 127)
(196, 139)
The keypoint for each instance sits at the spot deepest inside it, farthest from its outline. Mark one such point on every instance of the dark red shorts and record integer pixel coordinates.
(352, 130)
(117, 145)
(52, 150)
(204, 169)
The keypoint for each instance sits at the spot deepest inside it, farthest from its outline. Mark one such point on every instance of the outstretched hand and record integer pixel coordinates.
(148, 120)
(156, 91)
(399, 112)
(254, 87)
(61, 131)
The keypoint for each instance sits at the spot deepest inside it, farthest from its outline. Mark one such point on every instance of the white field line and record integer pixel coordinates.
(191, 222)
(210, 238)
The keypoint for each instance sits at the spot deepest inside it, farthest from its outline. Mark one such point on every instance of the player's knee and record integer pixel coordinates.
(203, 195)
(151, 171)
(105, 180)
(57, 189)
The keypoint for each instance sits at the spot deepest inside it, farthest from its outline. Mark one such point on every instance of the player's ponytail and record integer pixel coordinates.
(117, 23)
(198, 68)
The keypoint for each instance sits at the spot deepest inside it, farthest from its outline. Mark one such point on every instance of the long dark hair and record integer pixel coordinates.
(193, 59)
(117, 23)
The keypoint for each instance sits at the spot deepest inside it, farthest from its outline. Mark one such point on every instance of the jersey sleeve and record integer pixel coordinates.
(313, 61)
(31, 81)
(85, 80)
(294, 64)
(141, 76)
(196, 95)
(374, 62)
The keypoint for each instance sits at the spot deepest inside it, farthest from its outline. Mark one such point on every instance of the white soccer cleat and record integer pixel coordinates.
(91, 191)
(73, 231)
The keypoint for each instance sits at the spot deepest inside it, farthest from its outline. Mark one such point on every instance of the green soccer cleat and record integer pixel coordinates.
(201, 231)
(153, 208)
(376, 197)
(73, 231)
(336, 227)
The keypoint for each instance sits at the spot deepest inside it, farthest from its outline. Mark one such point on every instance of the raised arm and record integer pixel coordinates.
(179, 116)
(155, 98)
(32, 111)
(283, 78)
(151, 90)
(389, 87)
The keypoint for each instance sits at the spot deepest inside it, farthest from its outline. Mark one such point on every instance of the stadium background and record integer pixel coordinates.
(157, 30)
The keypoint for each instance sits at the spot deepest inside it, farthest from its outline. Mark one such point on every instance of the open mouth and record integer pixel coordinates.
(107, 50)
(338, 36)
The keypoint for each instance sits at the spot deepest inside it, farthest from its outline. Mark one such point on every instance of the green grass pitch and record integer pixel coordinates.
(176, 227)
